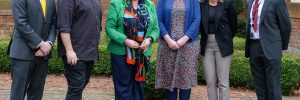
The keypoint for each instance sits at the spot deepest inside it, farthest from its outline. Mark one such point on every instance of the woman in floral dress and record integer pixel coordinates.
(179, 47)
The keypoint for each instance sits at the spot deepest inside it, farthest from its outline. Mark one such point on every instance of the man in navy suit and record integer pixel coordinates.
(33, 37)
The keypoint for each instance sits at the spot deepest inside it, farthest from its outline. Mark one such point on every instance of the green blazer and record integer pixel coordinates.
(115, 29)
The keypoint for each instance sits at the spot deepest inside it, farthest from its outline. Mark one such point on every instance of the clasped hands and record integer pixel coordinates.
(133, 44)
(175, 45)
(44, 49)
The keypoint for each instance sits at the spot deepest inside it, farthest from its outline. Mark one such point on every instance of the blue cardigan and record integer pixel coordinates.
(192, 20)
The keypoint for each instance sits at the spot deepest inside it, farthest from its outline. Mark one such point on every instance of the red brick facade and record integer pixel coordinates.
(295, 20)
(6, 22)
(295, 36)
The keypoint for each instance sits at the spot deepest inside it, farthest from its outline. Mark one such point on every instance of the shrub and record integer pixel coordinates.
(239, 5)
(241, 29)
(150, 92)
(240, 75)
(239, 43)
(290, 74)
(102, 66)
(4, 59)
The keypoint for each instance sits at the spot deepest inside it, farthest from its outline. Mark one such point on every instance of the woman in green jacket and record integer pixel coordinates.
(132, 27)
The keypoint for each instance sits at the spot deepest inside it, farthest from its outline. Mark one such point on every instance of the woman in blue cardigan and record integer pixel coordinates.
(179, 47)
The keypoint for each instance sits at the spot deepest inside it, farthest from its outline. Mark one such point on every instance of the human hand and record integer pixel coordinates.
(45, 47)
(145, 44)
(182, 41)
(131, 43)
(172, 44)
(39, 53)
(71, 57)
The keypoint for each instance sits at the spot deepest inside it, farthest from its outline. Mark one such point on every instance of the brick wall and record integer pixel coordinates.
(6, 21)
(295, 36)
(295, 20)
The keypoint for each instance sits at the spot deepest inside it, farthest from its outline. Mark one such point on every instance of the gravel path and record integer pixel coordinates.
(101, 88)
(295, 51)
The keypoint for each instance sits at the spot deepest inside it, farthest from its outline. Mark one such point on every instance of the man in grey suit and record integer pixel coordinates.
(268, 33)
(33, 37)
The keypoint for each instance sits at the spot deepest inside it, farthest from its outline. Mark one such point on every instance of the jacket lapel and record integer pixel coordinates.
(219, 13)
(264, 9)
(205, 17)
(38, 4)
(249, 7)
(49, 5)
(250, 2)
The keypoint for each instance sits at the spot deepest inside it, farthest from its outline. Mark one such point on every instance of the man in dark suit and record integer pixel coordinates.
(33, 37)
(268, 32)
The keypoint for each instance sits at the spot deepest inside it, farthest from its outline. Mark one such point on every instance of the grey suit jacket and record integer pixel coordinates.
(31, 27)
(275, 28)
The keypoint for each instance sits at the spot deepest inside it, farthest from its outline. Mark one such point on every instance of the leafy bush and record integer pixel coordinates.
(240, 75)
(4, 59)
(239, 5)
(150, 92)
(290, 74)
(239, 43)
(241, 29)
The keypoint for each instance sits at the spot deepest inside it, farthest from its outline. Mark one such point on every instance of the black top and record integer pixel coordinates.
(82, 19)
(211, 20)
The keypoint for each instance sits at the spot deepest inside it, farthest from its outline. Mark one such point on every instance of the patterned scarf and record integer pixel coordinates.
(136, 22)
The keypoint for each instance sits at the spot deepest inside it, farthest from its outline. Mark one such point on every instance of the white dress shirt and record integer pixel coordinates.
(255, 35)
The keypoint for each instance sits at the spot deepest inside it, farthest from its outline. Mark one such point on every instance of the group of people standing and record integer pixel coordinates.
(133, 26)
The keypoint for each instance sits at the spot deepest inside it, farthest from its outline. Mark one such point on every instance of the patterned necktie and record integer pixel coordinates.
(255, 15)
(44, 6)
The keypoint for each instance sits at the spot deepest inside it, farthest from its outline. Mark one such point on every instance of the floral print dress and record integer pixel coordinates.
(177, 69)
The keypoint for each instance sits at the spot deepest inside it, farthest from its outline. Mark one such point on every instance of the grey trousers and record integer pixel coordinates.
(216, 71)
(28, 78)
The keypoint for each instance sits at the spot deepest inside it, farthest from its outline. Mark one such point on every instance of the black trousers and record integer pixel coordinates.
(265, 73)
(28, 77)
(78, 77)
(126, 88)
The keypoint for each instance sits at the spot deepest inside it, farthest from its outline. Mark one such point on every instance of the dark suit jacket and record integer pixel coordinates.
(274, 28)
(226, 23)
(31, 27)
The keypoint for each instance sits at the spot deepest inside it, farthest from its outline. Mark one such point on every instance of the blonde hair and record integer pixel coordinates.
(221, 1)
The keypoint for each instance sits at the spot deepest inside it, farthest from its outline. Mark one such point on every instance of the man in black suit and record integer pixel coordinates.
(268, 32)
(33, 37)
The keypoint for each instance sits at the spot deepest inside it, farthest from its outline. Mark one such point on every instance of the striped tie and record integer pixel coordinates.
(44, 6)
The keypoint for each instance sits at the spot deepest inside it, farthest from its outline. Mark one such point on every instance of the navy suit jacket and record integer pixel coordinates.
(274, 28)
(31, 27)
(192, 21)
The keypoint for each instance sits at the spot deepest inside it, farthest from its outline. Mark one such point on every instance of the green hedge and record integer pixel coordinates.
(239, 5)
(240, 75)
(241, 26)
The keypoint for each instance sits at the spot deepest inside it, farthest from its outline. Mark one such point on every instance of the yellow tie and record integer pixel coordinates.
(44, 7)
